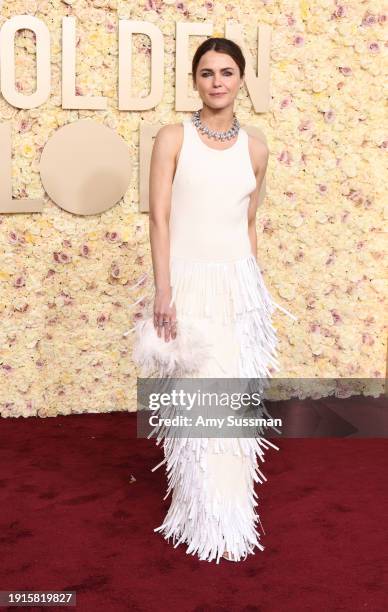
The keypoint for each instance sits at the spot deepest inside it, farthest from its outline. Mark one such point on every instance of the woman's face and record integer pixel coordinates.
(217, 73)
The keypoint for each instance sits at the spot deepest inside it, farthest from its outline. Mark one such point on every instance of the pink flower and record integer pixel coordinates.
(351, 368)
(314, 327)
(285, 103)
(336, 316)
(367, 339)
(285, 157)
(67, 299)
(329, 116)
(13, 237)
(19, 282)
(115, 270)
(304, 125)
(61, 257)
(152, 5)
(112, 236)
(374, 47)
(267, 226)
(291, 20)
(290, 194)
(30, 406)
(356, 196)
(369, 19)
(326, 332)
(339, 12)
(24, 126)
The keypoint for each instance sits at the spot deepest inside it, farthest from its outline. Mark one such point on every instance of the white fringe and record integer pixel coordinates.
(198, 286)
(210, 524)
(231, 292)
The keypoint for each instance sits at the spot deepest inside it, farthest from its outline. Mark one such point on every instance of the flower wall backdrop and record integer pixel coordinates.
(69, 284)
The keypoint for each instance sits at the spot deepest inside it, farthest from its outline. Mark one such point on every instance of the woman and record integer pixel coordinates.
(205, 179)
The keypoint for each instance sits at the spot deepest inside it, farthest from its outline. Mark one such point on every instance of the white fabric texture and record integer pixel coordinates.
(218, 287)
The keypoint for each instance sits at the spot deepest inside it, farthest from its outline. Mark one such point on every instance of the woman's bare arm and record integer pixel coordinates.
(260, 154)
(162, 169)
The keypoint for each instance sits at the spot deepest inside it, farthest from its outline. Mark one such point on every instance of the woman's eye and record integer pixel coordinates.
(205, 74)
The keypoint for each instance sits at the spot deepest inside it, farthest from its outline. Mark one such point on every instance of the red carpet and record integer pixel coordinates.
(71, 519)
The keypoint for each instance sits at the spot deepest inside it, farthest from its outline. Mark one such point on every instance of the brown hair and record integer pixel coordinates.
(222, 45)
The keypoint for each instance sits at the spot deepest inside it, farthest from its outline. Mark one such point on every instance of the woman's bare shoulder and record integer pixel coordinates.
(257, 145)
(170, 136)
(170, 131)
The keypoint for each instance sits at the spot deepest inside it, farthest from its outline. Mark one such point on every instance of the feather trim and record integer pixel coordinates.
(178, 358)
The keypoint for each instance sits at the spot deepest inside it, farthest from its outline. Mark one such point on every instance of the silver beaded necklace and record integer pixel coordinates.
(213, 133)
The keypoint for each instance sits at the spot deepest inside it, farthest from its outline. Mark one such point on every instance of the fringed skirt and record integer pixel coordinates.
(211, 480)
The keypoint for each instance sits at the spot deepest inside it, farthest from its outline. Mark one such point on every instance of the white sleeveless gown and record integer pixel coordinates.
(216, 281)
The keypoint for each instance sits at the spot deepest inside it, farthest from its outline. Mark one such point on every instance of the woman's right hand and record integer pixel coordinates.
(164, 312)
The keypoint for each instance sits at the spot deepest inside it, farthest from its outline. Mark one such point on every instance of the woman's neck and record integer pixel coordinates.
(220, 121)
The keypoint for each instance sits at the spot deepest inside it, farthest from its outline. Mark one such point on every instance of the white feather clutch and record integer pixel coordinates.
(179, 357)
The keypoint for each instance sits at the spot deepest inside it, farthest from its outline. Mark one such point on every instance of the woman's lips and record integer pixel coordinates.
(218, 94)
